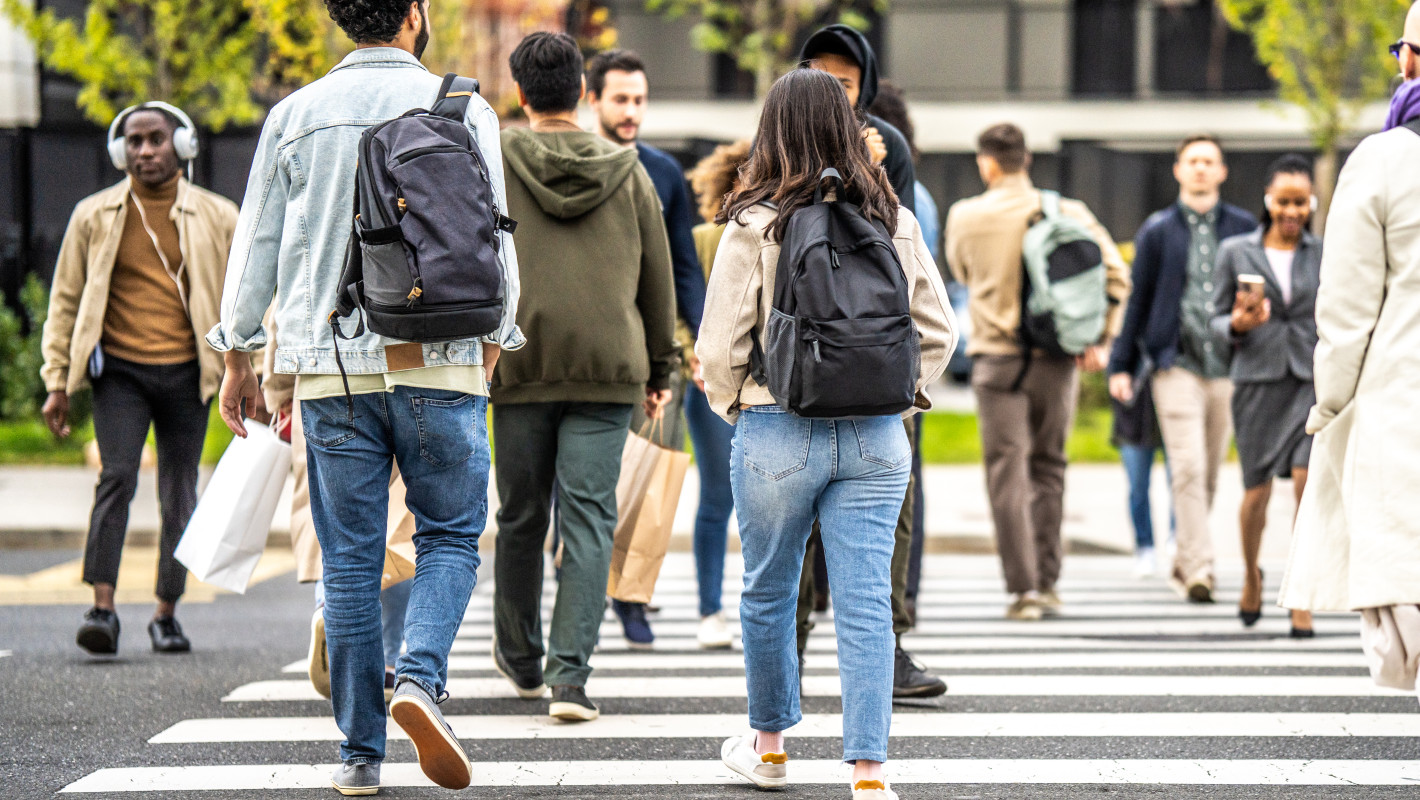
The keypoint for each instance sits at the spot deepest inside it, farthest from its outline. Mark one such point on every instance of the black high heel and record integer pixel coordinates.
(1303, 633)
(1250, 618)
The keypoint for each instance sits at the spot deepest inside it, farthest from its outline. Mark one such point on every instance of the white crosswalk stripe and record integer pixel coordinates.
(1125, 670)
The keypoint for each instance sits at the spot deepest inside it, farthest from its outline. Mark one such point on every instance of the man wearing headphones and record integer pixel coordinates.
(137, 285)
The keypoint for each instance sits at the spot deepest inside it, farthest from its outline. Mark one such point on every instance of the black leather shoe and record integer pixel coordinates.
(99, 633)
(167, 636)
(911, 679)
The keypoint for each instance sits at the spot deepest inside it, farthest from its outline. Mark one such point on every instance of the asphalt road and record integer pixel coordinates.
(69, 721)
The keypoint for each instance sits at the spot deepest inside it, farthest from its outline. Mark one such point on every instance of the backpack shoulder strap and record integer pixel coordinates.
(454, 96)
(1413, 126)
(1049, 204)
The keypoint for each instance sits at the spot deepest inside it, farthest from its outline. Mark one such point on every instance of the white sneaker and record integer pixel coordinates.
(1145, 563)
(317, 660)
(714, 632)
(768, 771)
(873, 790)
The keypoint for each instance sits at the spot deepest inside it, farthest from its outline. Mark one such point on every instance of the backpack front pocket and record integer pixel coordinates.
(846, 363)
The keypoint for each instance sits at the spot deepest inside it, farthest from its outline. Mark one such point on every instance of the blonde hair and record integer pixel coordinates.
(715, 175)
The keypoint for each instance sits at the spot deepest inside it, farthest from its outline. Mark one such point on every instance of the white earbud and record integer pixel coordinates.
(184, 138)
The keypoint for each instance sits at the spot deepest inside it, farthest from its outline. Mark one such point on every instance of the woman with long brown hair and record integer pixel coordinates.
(787, 470)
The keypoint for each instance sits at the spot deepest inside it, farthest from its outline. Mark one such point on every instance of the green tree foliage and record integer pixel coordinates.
(222, 61)
(1328, 57)
(759, 34)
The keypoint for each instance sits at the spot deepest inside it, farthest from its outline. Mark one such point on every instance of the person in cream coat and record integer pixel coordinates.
(1357, 541)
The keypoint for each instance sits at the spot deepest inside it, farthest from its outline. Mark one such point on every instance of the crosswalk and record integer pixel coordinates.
(1130, 687)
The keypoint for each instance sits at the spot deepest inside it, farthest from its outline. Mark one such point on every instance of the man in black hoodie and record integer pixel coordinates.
(845, 54)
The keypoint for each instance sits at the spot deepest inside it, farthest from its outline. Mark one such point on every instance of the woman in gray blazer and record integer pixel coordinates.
(1264, 303)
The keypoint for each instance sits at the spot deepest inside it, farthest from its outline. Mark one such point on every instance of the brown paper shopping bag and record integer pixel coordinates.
(399, 543)
(646, 497)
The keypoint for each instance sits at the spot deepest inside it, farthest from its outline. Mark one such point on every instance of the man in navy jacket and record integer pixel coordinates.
(617, 90)
(1166, 338)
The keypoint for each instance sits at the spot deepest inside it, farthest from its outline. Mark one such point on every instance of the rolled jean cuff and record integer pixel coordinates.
(364, 760)
(779, 725)
(850, 756)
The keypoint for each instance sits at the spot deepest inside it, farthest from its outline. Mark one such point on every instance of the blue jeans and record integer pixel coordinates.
(440, 440)
(1138, 467)
(394, 602)
(852, 475)
(711, 437)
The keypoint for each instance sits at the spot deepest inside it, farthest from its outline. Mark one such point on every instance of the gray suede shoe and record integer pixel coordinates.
(356, 778)
(440, 755)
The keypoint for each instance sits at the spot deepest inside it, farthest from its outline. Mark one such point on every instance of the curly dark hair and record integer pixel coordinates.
(369, 21)
(548, 68)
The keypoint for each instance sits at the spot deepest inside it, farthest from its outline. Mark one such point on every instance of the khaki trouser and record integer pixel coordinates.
(1196, 419)
(304, 545)
(1023, 435)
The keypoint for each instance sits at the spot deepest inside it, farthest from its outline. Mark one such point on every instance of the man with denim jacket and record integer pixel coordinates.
(422, 406)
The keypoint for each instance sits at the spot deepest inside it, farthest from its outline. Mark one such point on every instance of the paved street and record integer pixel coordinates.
(1130, 693)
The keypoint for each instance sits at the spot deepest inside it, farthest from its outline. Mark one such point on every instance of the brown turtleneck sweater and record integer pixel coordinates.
(146, 322)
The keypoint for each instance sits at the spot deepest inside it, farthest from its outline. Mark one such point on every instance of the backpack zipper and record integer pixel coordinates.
(410, 155)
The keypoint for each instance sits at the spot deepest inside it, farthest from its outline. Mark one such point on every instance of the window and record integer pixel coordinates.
(1197, 52)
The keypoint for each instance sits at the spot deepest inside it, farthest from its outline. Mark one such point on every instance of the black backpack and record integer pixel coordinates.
(422, 262)
(840, 340)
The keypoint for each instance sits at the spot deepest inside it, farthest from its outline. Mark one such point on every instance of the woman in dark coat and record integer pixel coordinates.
(1264, 303)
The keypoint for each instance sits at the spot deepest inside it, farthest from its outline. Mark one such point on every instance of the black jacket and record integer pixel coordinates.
(1153, 317)
(845, 41)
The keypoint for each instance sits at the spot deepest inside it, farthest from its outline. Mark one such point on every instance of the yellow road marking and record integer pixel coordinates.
(63, 584)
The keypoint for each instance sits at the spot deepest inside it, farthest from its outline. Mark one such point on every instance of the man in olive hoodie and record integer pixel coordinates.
(598, 309)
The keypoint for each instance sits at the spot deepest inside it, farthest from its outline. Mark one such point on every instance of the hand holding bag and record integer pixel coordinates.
(647, 494)
(227, 533)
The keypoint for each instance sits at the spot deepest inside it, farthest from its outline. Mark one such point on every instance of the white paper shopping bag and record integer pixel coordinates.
(227, 533)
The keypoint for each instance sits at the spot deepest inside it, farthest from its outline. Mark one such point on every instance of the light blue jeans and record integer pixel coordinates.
(852, 476)
(440, 440)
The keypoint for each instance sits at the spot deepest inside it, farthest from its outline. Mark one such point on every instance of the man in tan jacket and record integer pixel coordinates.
(1024, 419)
(136, 288)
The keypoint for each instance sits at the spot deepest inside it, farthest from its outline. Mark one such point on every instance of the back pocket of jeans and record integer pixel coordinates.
(326, 432)
(446, 428)
(776, 443)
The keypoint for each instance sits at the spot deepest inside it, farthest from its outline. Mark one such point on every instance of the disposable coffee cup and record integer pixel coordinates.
(1251, 284)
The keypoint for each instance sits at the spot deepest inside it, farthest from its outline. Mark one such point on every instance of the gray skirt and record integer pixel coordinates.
(1269, 421)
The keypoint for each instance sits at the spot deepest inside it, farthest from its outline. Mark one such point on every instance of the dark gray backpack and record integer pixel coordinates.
(422, 264)
(840, 340)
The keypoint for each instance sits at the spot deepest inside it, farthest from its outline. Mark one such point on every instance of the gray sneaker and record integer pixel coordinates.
(440, 755)
(355, 778)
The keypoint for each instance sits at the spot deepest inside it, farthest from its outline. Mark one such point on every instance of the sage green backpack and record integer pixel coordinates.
(1063, 300)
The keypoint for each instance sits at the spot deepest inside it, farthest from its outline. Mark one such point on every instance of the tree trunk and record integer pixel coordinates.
(1328, 164)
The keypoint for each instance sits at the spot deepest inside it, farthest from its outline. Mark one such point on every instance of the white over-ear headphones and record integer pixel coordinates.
(1267, 202)
(184, 138)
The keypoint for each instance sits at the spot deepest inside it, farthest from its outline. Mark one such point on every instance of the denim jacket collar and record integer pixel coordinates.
(367, 56)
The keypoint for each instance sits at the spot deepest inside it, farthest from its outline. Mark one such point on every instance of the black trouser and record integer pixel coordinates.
(128, 397)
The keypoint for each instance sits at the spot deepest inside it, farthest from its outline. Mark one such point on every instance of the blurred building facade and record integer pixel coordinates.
(1103, 89)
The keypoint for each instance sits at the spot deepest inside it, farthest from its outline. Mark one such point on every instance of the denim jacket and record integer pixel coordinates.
(295, 220)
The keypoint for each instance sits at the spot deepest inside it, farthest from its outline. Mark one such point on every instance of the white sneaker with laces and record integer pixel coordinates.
(714, 632)
(768, 771)
(873, 790)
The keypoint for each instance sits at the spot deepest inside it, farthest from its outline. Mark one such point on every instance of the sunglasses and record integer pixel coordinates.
(1396, 48)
